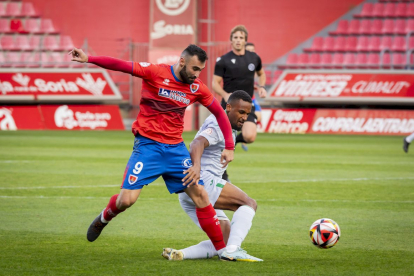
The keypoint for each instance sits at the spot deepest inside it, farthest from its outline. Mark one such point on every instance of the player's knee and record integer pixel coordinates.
(250, 137)
(252, 203)
(123, 203)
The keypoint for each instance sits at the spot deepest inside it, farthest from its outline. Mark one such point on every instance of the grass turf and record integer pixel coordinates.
(53, 184)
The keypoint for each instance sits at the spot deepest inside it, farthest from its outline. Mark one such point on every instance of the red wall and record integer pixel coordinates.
(103, 22)
(277, 26)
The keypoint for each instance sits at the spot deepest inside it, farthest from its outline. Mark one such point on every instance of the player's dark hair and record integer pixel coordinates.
(239, 28)
(194, 50)
(249, 44)
(239, 95)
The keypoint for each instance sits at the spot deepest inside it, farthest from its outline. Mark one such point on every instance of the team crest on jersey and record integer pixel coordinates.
(132, 179)
(187, 163)
(251, 67)
(194, 87)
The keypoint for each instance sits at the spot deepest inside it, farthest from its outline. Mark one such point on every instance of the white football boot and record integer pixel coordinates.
(239, 255)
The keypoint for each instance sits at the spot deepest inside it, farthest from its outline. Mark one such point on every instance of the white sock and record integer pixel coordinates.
(409, 138)
(203, 250)
(240, 226)
(102, 217)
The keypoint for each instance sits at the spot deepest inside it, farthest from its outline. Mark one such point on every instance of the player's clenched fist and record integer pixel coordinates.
(78, 55)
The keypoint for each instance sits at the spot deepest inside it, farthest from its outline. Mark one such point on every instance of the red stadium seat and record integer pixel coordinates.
(30, 59)
(13, 9)
(22, 43)
(401, 10)
(409, 27)
(363, 44)
(349, 60)
(386, 43)
(66, 43)
(2, 10)
(366, 11)
(399, 44)
(376, 27)
(328, 44)
(12, 59)
(28, 10)
(50, 43)
(316, 46)
(32, 26)
(373, 61)
(7, 43)
(342, 28)
(2, 59)
(5, 26)
(385, 61)
(46, 26)
(34, 42)
(303, 60)
(353, 27)
(389, 10)
(340, 43)
(46, 60)
(399, 26)
(399, 60)
(326, 60)
(338, 60)
(365, 27)
(378, 10)
(374, 44)
(410, 10)
(388, 26)
(67, 62)
(16, 25)
(315, 60)
(292, 60)
(351, 44)
(361, 60)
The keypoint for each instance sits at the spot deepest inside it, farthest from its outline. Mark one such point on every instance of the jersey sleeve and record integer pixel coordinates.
(212, 134)
(144, 70)
(206, 97)
(219, 68)
(259, 64)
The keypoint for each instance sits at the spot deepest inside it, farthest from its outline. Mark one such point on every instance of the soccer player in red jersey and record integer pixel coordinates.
(159, 149)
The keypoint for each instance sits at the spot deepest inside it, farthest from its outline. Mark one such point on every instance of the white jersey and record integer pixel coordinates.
(210, 160)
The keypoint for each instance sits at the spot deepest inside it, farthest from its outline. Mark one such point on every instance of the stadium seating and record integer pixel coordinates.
(381, 34)
(5, 26)
(28, 10)
(12, 9)
(65, 43)
(46, 26)
(7, 43)
(50, 43)
(32, 26)
(22, 43)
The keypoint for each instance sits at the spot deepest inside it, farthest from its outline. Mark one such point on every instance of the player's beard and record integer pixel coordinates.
(185, 77)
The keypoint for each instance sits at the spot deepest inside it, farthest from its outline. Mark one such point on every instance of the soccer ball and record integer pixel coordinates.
(324, 233)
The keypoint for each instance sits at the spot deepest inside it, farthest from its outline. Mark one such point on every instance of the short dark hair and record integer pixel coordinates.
(194, 50)
(239, 95)
(249, 44)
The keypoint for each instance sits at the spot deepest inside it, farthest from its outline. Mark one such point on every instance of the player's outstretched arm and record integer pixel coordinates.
(197, 147)
(109, 63)
(223, 121)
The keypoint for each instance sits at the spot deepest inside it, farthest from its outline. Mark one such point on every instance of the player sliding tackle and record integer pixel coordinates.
(159, 149)
(205, 151)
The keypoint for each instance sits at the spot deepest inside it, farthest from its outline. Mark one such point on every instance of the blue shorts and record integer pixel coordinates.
(151, 159)
(256, 105)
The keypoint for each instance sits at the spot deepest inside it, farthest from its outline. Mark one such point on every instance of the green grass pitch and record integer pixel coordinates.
(53, 184)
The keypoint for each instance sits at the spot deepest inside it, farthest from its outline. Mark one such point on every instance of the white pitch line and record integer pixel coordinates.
(327, 180)
(174, 199)
(15, 161)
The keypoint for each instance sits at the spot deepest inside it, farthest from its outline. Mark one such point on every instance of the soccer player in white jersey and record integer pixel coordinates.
(205, 151)
(407, 141)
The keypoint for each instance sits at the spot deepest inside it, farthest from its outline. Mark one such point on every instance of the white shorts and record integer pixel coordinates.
(213, 186)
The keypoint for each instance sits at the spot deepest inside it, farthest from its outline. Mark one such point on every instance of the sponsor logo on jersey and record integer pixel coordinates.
(172, 7)
(233, 60)
(174, 95)
(218, 59)
(194, 87)
(208, 131)
(187, 163)
(132, 179)
(144, 64)
(251, 67)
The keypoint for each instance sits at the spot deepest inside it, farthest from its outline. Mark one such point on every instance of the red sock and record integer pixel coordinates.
(210, 224)
(111, 211)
